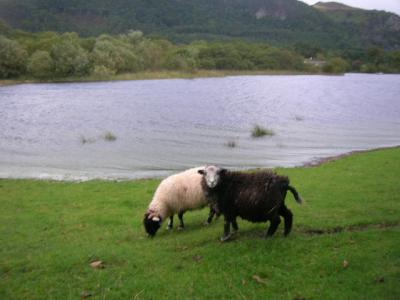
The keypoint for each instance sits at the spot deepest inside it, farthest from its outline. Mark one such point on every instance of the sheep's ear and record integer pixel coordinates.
(223, 171)
(202, 172)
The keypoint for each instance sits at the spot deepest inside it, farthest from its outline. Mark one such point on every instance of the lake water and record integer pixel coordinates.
(162, 126)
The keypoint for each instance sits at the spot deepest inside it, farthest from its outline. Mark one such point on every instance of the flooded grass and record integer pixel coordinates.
(231, 144)
(299, 118)
(259, 131)
(109, 136)
(86, 140)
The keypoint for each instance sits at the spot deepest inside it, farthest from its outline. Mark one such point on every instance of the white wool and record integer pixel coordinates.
(177, 193)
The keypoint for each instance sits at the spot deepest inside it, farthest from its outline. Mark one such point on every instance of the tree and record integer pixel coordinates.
(307, 50)
(154, 53)
(394, 60)
(115, 55)
(223, 56)
(376, 55)
(40, 64)
(336, 65)
(134, 36)
(69, 58)
(12, 58)
(182, 59)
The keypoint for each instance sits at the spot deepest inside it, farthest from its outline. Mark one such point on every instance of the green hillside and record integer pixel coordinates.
(372, 26)
(279, 22)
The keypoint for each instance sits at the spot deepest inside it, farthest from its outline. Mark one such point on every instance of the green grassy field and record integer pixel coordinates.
(345, 243)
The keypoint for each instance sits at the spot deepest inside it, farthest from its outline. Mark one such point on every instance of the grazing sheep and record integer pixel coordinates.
(175, 195)
(256, 197)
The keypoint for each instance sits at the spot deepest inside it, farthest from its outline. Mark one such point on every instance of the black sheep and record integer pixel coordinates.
(256, 197)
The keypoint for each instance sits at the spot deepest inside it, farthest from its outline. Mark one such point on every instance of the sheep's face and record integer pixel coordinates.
(151, 224)
(212, 175)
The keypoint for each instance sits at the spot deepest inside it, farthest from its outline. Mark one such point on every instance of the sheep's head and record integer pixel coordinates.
(212, 175)
(151, 223)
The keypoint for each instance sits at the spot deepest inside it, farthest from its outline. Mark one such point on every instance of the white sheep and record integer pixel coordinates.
(176, 194)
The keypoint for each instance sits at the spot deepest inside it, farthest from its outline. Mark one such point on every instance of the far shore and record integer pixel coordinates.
(310, 164)
(147, 75)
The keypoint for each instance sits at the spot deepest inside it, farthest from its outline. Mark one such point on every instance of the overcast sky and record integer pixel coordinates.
(388, 5)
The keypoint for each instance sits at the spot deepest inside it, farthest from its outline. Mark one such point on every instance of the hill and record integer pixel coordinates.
(372, 26)
(333, 6)
(280, 22)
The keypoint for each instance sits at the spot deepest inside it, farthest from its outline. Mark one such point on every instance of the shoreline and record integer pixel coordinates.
(325, 160)
(163, 74)
(158, 75)
(311, 164)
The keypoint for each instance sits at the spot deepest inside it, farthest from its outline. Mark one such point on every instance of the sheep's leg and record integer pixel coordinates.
(275, 221)
(210, 216)
(170, 222)
(288, 217)
(180, 216)
(227, 229)
(235, 225)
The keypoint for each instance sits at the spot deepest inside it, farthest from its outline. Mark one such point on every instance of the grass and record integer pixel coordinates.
(109, 136)
(259, 131)
(51, 231)
(231, 144)
(86, 140)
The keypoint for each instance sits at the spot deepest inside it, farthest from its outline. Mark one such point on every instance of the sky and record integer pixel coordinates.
(388, 5)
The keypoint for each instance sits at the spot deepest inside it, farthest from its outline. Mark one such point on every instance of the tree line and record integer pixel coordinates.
(50, 55)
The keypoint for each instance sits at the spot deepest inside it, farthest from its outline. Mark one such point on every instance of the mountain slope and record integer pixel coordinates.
(282, 22)
(373, 26)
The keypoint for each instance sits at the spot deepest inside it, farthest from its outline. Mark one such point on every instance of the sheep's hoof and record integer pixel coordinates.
(181, 228)
(226, 238)
(206, 223)
(169, 228)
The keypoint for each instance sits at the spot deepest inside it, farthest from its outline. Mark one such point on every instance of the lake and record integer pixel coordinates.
(57, 131)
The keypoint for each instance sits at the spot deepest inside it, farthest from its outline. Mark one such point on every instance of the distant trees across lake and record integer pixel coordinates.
(49, 55)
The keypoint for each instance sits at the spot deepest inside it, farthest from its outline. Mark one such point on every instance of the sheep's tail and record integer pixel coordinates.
(295, 194)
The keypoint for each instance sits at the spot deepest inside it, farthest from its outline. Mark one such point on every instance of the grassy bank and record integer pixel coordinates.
(155, 75)
(345, 242)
